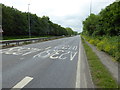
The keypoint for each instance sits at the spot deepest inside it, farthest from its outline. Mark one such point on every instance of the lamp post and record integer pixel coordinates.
(90, 6)
(29, 22)
(1, 31)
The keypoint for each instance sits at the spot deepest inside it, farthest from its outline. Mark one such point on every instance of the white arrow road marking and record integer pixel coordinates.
(23, 82)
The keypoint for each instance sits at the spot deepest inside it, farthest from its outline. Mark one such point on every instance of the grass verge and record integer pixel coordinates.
(100, 75)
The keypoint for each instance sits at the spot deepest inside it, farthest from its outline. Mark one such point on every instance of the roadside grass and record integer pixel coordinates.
(100, 75)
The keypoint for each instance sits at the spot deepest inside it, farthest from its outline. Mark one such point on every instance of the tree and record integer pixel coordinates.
(107, 22)
(15, 23)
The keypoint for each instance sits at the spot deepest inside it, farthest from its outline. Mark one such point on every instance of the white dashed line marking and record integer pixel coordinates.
(23, 82)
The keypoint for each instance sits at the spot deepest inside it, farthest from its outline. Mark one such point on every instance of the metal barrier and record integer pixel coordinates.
(17, 42)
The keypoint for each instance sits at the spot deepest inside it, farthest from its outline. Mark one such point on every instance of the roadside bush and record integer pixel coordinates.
(108, 48)
(107, 44)
(117, 56)
(96, 41)
(100, 45)
(92, 41)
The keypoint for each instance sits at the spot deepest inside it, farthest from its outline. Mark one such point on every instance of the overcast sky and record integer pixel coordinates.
(67, 13)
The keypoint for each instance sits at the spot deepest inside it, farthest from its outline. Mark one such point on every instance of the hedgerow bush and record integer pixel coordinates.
(101, 45)
(107, 44)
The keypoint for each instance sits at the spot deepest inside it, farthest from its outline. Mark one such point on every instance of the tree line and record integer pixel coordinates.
(15, 23)
(107, 22)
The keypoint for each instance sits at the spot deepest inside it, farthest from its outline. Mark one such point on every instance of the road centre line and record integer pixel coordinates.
(23, 82)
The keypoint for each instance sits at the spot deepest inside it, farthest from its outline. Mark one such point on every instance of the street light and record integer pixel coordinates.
(90, 6)
(29, 22)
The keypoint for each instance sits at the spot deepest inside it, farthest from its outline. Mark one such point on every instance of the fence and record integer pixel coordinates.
(17, 42)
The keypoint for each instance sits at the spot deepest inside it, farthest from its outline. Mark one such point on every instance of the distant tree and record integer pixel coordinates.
(15, 23)
(69, 31)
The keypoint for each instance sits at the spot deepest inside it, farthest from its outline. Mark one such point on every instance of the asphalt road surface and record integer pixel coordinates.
(57, 63)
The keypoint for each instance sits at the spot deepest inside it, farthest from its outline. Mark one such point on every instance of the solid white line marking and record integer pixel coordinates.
(78, 69)
(23, 82)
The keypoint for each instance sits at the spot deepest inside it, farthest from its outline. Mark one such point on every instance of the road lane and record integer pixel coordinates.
(52, 64)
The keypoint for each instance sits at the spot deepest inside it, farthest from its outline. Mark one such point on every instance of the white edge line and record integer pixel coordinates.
(78, 71)
(23, 82)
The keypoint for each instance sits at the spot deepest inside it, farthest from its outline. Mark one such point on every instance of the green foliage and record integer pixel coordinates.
(103, 30)
(106, 43)
(69, 30)
(90, 24)
(107, 22)
(15, 23)
(101, 45)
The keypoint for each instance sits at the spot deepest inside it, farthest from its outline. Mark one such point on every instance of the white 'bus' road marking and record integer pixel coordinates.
(56, 53)
(48, 48)
(23, 82)
(60, 57)
(75, 48)
(72, 56)
(31, 52)
(44, 54)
